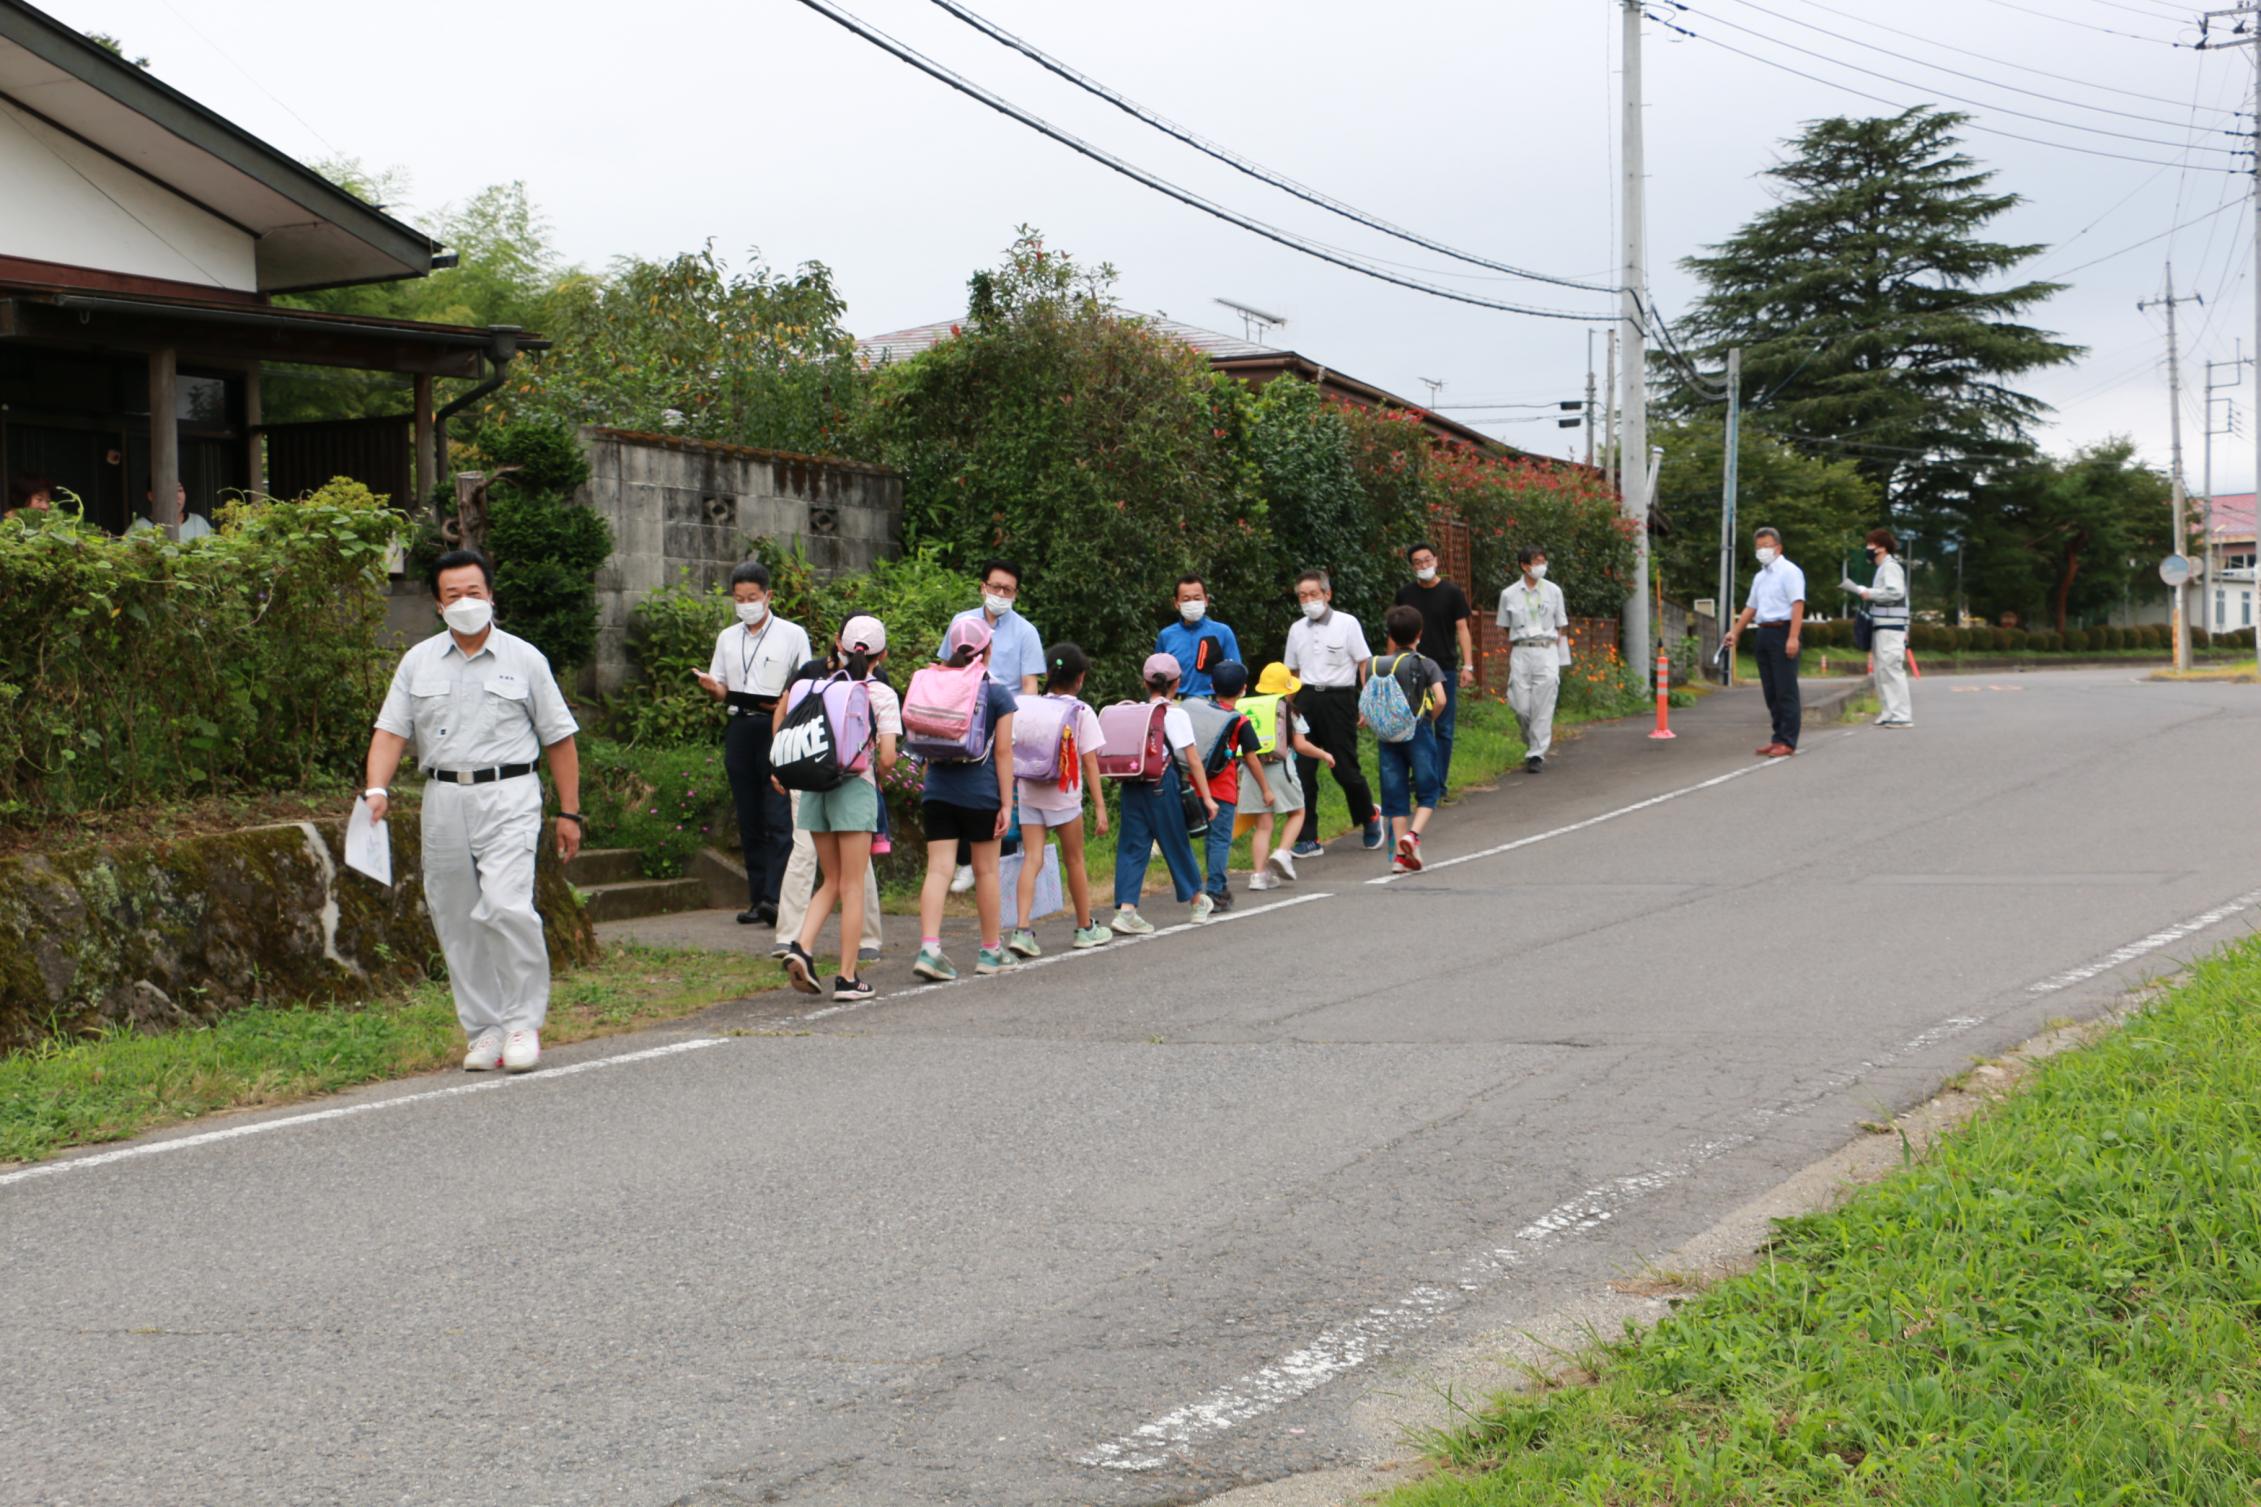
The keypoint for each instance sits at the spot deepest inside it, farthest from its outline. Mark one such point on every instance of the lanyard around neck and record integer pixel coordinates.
(753, 650)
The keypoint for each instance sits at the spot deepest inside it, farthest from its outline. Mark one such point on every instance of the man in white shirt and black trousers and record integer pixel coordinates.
(753, 659)
(478, 704)
(1327, 651)
(1777, 603)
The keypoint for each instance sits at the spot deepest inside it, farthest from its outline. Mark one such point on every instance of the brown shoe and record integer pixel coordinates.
(1766, 750)
(1780, 751)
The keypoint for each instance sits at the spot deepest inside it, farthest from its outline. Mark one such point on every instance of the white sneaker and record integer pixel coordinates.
(1263, 879)
(962, 881)
(1129, 923)
(1204, 906)
(1283, 863)
(485, 1054)
(521, 1050)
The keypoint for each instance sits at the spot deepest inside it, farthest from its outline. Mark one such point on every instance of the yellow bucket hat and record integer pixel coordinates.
(1276, 681)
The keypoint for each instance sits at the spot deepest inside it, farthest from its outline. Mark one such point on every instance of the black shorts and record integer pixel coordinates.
(947, 821)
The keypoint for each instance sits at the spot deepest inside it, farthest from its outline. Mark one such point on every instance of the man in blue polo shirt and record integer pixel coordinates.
(1198, 642)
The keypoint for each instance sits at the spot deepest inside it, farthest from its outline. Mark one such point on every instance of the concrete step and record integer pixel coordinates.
(595, 866)
(630, 899)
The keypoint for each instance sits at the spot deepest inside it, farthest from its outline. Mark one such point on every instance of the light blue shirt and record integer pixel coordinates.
(1774, 589)
(1014, 648)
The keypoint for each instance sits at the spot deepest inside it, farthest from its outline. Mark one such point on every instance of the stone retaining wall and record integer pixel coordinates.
(166, 934)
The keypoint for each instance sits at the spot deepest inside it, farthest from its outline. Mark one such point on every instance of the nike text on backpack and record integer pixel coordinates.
(1044, 741)
(1382, 703)
(825, 739)
(1135, 748)
(946, 713)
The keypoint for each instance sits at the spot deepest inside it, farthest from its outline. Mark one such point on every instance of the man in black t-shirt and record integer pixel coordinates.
(1444, 638)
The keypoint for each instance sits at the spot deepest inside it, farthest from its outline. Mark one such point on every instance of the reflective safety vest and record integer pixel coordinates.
(1263, 714)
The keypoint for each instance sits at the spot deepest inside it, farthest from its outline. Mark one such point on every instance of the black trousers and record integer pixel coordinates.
(1778, 677)
(1333, 715)
(765, 818)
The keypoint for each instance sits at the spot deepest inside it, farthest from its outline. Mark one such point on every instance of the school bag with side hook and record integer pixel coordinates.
(946, 713)
(1044, 741)
(825, 739)
(1381, 701)
(1135, 747)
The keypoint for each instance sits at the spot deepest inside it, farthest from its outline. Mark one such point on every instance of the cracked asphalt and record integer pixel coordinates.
(1143, 1225)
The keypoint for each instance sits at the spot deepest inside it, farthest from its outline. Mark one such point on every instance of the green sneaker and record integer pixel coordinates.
(1094, 935)
(933, 965)
(992, 960)
(1129, 923)
(1023, 942)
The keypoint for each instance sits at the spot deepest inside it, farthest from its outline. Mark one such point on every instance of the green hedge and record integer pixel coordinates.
(138, 669)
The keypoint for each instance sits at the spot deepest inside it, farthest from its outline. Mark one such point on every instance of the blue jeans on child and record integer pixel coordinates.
(1220, 846)
(1413, 764)
(1151, 815)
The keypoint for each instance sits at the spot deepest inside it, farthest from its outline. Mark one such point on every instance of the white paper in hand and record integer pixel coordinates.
(1562, 651)
(368, 845)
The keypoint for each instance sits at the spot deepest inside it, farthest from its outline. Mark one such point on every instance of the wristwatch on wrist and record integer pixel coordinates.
(574, 817)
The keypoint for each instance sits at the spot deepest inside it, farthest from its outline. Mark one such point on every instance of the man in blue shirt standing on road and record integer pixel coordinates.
(1777, 603)
(1198, 642)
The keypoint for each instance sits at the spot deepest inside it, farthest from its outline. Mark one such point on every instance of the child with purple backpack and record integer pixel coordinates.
(956, 718)
(1056, 744)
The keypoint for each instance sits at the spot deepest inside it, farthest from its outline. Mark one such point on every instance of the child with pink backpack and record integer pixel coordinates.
(1056, 746)
(957, 719)
(1150, 749)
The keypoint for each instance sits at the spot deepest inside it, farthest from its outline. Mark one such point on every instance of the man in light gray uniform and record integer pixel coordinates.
(1533, 615)
(477, 702)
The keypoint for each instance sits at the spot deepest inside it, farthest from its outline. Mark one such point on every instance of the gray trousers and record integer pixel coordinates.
(479, 843)
(800, 887)
(1890, 651)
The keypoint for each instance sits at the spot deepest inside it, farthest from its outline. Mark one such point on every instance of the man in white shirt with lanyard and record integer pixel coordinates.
(1533, 615)
(1327, 651)
(1777, 603)
(753, 659)
(478, 703)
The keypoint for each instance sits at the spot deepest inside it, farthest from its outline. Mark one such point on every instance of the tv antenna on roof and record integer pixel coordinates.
(1254, 322)
(1435, 386)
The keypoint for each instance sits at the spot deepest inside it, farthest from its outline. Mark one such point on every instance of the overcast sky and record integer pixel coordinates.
(1487, 126)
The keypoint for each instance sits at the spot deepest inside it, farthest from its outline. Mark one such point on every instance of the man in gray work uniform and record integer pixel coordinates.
(477, 702)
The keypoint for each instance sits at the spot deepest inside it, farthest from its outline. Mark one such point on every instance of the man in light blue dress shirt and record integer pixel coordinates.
(1016, 651)
(1777, 603)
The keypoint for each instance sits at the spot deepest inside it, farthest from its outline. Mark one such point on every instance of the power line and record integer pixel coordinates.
(2047, 120)
(2147, 240)
(2088, 25)
(1999, 62)
(1971, 125)
(2055, 99)
(256, 83)
(965, 86)
(1241, 164)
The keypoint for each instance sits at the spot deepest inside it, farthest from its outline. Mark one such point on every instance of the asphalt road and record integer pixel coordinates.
(1140, 1225)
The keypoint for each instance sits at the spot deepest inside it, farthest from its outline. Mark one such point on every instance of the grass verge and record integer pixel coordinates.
(77, 1092)
(2060, 1302)
(2237, 674)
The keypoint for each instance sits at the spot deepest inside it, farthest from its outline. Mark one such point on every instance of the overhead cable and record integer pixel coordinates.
(904, 53)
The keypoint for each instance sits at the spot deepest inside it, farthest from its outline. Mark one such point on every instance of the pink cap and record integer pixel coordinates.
(863, 634)
(1159, 665)
(971, 631)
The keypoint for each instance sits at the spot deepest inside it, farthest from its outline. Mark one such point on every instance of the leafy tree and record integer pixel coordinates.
(1822, 507)
(1875, 318)
(1097, 453)
(2058, 540)
(689, 347)
(547, 548)
(1332, 500)
(112, 45)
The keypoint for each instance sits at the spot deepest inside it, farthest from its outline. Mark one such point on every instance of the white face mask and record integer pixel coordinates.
(751, 613)
(1193, 612)
(998, 606)
(1766, 556)
(1424, 572)
(1539, 571)
(468, 616)
(1315, 610)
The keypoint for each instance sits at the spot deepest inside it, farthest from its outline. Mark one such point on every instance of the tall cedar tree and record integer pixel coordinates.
(1872, 327)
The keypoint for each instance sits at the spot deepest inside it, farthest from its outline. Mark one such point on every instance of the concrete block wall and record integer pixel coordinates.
(680, 506)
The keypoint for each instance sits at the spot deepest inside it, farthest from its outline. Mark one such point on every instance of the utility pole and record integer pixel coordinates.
(2244, 34)
(1725, 611)
(1589, 398)
(1609, 398)
(2209, 583)
(1635, 487)
(2179, 592)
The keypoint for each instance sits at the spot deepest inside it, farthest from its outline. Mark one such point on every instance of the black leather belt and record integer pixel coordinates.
(746, 704)
(478, 776)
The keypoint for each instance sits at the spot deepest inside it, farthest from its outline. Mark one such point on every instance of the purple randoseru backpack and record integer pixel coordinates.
(1044, 748)
(946, 713)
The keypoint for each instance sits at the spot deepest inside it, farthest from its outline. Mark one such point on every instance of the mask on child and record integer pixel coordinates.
(1315, 610)
(1193, 612)
(1424, 573)
(998, 606)
(751, 613)
(1766, 556)
(1539, 571)
(468, 616)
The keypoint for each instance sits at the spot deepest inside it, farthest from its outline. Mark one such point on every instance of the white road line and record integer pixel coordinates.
(1050, 958)
(2136, 949)
(346, 1111)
